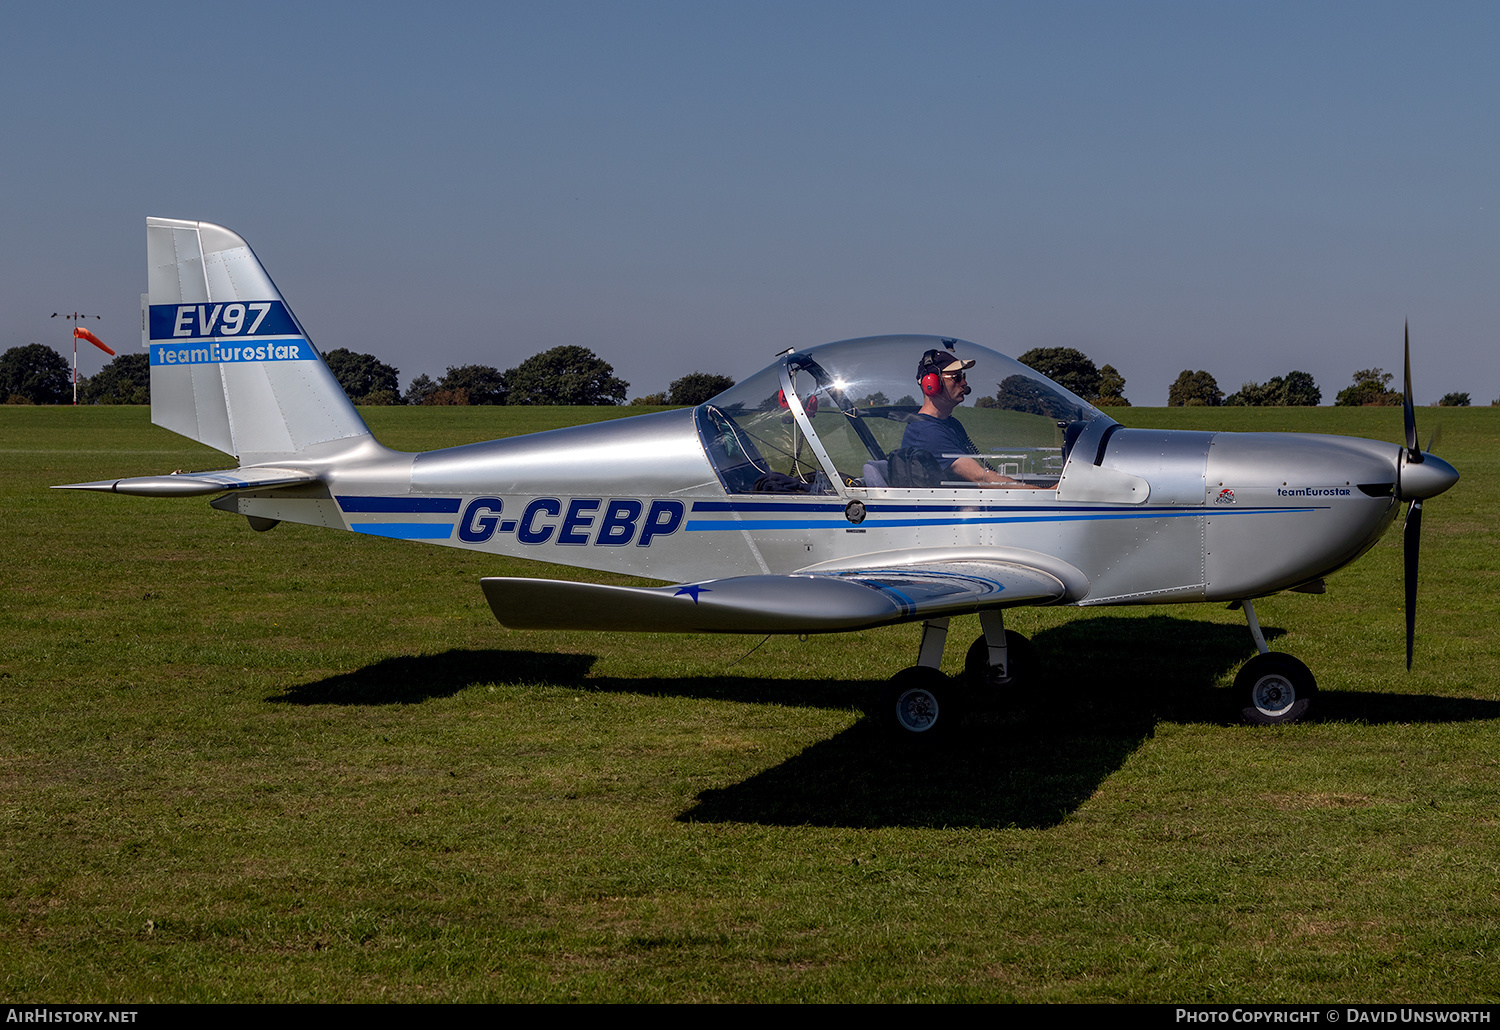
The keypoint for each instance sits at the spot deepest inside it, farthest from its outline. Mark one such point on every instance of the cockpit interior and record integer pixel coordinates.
(841, 413)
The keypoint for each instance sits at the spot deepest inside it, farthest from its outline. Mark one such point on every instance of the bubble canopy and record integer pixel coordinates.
(849, 413)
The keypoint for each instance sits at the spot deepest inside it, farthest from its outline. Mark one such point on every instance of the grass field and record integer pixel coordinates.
(308, 765)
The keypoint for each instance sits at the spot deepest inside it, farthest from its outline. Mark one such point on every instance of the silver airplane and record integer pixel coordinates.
(843, 487)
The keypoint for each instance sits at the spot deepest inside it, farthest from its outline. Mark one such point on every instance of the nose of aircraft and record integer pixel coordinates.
(1424, 478)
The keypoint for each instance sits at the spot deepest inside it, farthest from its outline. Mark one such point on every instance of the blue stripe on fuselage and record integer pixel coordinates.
(405, 530)
(1041, 514)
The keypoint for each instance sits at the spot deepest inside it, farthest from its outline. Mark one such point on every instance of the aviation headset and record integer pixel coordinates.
(930, 371)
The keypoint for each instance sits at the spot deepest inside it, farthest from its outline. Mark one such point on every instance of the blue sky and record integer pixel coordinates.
(1242, 188)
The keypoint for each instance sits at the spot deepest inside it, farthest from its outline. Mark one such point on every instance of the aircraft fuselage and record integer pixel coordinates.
(1226, 516)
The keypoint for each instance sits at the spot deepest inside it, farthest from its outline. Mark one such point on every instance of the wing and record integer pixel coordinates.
(805, 603)
(188, 484)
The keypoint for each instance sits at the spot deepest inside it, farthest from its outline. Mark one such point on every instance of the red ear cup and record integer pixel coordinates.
(810, 405)
(932, 384)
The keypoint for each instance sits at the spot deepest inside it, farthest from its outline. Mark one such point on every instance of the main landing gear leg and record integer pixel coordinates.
(934, 640)
(999, 662)
(920, 704)
(996, 644)
(1255, 633)
(1272, 688)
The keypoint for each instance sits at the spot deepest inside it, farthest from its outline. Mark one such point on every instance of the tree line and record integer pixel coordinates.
(1371, 386)
(37, 374)
(562, 375)
(1293, 390)
(1075, 372)
(1105, 386)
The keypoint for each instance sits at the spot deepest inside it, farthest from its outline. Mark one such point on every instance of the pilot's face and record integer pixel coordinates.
(955, 386)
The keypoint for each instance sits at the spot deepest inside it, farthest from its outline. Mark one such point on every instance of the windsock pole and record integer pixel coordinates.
(79, 331)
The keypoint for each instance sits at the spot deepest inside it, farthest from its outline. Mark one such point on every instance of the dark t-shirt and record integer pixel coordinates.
(945, 438)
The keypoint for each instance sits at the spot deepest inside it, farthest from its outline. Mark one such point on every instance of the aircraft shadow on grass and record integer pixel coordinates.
(412, 679)
(1103, 685)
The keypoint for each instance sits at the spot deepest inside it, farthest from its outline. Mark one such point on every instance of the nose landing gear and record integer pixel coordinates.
(1272, 688)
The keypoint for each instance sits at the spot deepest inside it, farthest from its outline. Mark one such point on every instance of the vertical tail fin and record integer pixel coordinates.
(230, 365)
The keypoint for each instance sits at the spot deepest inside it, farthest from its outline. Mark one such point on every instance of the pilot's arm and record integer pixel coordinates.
(975, 472)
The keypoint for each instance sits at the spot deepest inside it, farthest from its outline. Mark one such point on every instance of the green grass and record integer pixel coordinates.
(306, 765)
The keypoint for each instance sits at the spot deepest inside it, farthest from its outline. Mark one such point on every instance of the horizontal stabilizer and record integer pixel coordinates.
(815, 603)
(189, 484)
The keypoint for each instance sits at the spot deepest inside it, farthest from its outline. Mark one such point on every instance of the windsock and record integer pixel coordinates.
(80, 333)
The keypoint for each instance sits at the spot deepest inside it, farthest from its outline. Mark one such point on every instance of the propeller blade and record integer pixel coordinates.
(1413, 452)
(1412, 541)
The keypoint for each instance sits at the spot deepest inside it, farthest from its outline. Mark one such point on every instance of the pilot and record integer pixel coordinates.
(944, 380)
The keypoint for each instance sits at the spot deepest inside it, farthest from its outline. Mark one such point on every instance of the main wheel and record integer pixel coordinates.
(920, 704)
(1020, 663)
(1274, 689)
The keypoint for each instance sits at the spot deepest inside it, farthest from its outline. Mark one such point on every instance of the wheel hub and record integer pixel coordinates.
(916, 710)
(1274, 695)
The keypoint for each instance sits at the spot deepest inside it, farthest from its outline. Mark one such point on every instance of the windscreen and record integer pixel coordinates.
(865, 403)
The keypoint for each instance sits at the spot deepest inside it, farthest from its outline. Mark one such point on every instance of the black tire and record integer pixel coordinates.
(1021, 667)
(1274, 689)
(920, 705)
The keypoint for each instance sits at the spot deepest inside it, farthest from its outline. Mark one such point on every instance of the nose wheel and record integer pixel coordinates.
(1274, 689)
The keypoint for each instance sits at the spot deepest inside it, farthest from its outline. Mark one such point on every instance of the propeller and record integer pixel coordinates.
(1411, 538)
(1420, 476)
